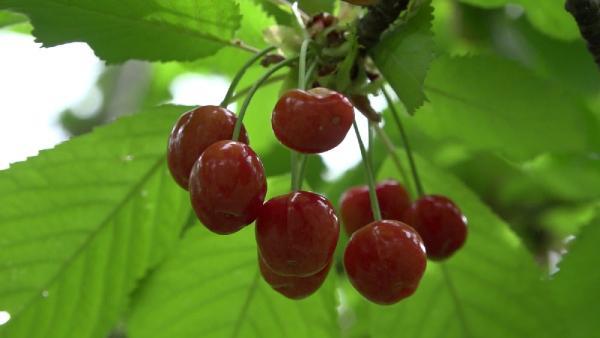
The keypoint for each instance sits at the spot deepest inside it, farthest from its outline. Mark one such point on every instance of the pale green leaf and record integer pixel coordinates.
(8, 18)
(82, 223)
(575, 286)
(494, 104)
(211, 287)
(403, 56)
(549, 16)
(134, 29)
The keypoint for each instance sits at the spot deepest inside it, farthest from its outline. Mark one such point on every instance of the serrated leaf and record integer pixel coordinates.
(403, 56)
(211, 287)
(494, 104)
(82, 223)
(317, 6)
(575, 286)
(487, 289)
(157, 30)
(549, 17)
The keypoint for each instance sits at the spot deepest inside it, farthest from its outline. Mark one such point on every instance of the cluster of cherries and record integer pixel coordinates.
(297, 233)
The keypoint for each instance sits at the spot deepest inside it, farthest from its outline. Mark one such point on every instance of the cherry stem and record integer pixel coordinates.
(387, 142)
(298, 159)
(241, 72)
(302, 68)
(238, 124)
(245, 91)
(405, 142)
(370, 176)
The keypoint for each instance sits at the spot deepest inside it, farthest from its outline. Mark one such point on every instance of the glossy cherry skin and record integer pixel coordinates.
(291, 286)
(312, 121)
(385, 261)
(356, 210)
(297, 233)
(440, 223)
(227, 186)
(195, 131)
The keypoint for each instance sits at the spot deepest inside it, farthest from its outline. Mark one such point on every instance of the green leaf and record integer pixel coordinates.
(549, 17)
(211, 287)
(403, 56)
(82, 223)
(575, 286)
(317, 6)
(8, 18)
(572, 177)
(494, 104)
(487, 289)
(157, 30)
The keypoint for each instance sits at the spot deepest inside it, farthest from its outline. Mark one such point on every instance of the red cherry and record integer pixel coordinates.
(195, 131)
(291, 286)
(356, 206)
(385, 261)
(312, 121)
(227, 186)
(440, 223)
(297, 233)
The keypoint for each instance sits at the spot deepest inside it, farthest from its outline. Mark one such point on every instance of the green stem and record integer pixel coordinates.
(240, 93)
(387, 142)
(301, 168)
(309, 73)
(257, 84)
(294, 169)
(370, 176)
(298, 159)
(302, 67)
(241, 72)
(409, 153)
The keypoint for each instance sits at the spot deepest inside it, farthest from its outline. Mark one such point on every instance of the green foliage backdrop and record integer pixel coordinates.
(503, 112)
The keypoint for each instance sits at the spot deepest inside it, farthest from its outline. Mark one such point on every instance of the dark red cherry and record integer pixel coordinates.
(312, 121)
(297, 233)
(227, 186)
(385, 261)
(291, 286)
(440, 223)
(195, 131)
(356, 206)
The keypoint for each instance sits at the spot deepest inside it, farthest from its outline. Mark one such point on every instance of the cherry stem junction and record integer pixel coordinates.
(241, 72)
(370, 177)
(405, 142)
(238, 124)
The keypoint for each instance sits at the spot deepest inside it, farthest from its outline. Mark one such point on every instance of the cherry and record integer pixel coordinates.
(385, 261)
(291, 286)
(440, 223)
(297, 233)
(356, 206)
(195, 131)
(227, 186)
(312, 121)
